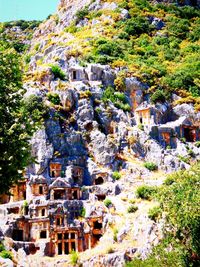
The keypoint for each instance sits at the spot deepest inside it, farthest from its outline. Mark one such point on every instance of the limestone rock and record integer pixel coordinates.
(104, 151)
(134, 84)
(6, 262)
(157, 23)
(42, 150)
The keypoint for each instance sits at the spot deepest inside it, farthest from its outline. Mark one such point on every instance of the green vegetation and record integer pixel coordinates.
(115, 232)
(155, 213)
(83, 212)
(17, 125)
(159, 258)
(19, 42)
(74, 257)
(82, 13)
(34, 110)
(132, 209)
(117, 98)
(107, 202)
(23, 24)
(197, 144)
(57, 72)
(141, 127)
(179, 200)
(6, 254)
(137, 25)
(2, 246)
(146, 192)
(25, 204)
(53, 98)
(116, 175)
(158, 96)
(150, 166)
(166, 58)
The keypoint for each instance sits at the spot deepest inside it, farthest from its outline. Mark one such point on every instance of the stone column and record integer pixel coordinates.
(52, 194)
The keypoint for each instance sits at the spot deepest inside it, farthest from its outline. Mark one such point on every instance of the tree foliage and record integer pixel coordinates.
(18, 120)
(180, 199)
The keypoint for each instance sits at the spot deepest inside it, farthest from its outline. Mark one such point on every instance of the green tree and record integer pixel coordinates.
(180, 198)
(17, 125)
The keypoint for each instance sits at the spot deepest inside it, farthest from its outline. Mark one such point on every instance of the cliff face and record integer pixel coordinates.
(102, 69)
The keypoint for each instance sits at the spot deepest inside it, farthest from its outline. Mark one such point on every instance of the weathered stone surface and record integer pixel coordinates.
(157, 23)
(183, 110)
(117, 259)
(103, 150)
(6, 262)
(171, 163)
(134, 84)
(42, 150)
(68, 99)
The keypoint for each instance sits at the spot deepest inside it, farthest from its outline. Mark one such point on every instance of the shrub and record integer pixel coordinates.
(71, 28)
(132, 201)
(120, 82)
(2, 247)
(183, 139)
(82, 13)
(158, 96)
(124, 107)
(178, 27)
(6, 254)
(154, 213)
(118, 99)
(54, 98)
(57, 72)
(116, 175)
(110, 250)
(74, 257)
(123, 35)
(120, 96)
(35, 108)
(20, 47)
(109, 48)
(191, 153)
(150, 166)
(107, 202)
(83, 212)
(25, 204)
(132, 209)
(98, 110)
(145, 192)
(85, 94)
(137, 25)
(197, 144)
(108, 94)
(115, 232)
(36, 47)
(141, 127)
(27, 59)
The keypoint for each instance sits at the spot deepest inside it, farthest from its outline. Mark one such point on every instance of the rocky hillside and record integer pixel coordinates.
(120, 80)
(18, 33)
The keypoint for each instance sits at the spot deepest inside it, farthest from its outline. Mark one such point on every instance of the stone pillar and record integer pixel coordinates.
(76, 241)
(89, 241)
(52, 194)
(28, 192)
(66, 194)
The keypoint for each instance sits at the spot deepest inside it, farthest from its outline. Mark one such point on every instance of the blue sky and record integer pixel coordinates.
(26, 9)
